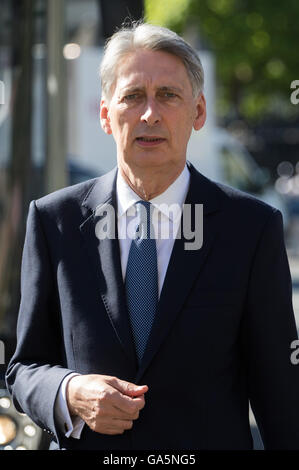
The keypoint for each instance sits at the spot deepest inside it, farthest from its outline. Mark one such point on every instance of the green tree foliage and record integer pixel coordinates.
(255, 44)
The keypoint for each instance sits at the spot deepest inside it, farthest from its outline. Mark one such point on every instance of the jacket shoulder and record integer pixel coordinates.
(247, 213)
(241, 199)
(65, 198)
(236, 203)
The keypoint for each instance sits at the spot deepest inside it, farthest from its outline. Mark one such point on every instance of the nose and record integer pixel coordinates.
(151, 113)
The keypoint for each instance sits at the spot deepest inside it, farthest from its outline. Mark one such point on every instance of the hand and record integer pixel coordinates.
(107, 404)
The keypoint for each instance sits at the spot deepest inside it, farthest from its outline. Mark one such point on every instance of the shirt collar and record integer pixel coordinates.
(174, 194)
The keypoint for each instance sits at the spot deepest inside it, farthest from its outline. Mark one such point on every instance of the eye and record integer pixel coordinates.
(168, 94)
(131, 97)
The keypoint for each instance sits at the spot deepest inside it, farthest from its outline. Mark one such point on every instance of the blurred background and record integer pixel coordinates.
(50, 134)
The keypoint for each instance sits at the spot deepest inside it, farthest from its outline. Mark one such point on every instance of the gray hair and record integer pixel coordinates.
(150, 37)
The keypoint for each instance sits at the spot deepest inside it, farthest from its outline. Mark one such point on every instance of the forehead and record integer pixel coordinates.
(157, 68)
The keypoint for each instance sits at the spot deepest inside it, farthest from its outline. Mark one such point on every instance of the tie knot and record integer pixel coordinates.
(144, 210)
(145, 204)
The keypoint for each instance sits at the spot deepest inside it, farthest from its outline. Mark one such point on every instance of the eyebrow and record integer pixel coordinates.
(160, 88)
(170, 88)
(130, 89)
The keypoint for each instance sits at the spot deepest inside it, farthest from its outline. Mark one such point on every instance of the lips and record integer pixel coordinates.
(149, 140)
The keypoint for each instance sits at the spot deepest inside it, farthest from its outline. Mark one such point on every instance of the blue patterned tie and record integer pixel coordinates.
(142, 279)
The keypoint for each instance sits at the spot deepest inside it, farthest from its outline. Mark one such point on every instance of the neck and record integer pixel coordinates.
(150, 183)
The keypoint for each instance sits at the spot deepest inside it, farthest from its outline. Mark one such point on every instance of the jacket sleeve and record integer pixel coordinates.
(36, 369)
(268, 330)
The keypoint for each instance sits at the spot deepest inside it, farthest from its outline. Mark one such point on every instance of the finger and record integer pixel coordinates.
(117, 426)
(110, 410)
(120, 424)
(128, 388)
(112, 426)
(111, 402)
(131, 415)
(126, 404)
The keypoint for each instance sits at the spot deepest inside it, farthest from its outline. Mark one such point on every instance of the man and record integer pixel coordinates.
(128, 344)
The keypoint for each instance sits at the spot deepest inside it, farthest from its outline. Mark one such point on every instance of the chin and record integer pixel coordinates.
(144, 161)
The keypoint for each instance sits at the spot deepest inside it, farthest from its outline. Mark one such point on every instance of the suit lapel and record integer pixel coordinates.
(105, 257)
(184, 265)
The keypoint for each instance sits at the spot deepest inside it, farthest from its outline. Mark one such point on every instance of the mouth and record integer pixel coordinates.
(150, 141)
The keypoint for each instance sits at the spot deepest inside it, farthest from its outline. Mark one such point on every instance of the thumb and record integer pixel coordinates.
(130, 389)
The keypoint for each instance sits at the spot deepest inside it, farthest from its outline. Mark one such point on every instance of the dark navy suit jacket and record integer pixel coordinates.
(221, 336)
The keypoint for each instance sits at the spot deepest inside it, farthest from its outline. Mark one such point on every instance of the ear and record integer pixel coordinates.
(201, 115)
(104, 116)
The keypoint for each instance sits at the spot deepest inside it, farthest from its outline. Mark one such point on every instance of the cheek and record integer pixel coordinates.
(122, 135)
(182, 128)
(125, 125)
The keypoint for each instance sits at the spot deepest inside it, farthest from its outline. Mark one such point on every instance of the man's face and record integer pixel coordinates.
(152, 111)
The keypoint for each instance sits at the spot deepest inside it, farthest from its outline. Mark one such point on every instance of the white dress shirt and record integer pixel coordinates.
(166, 221)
